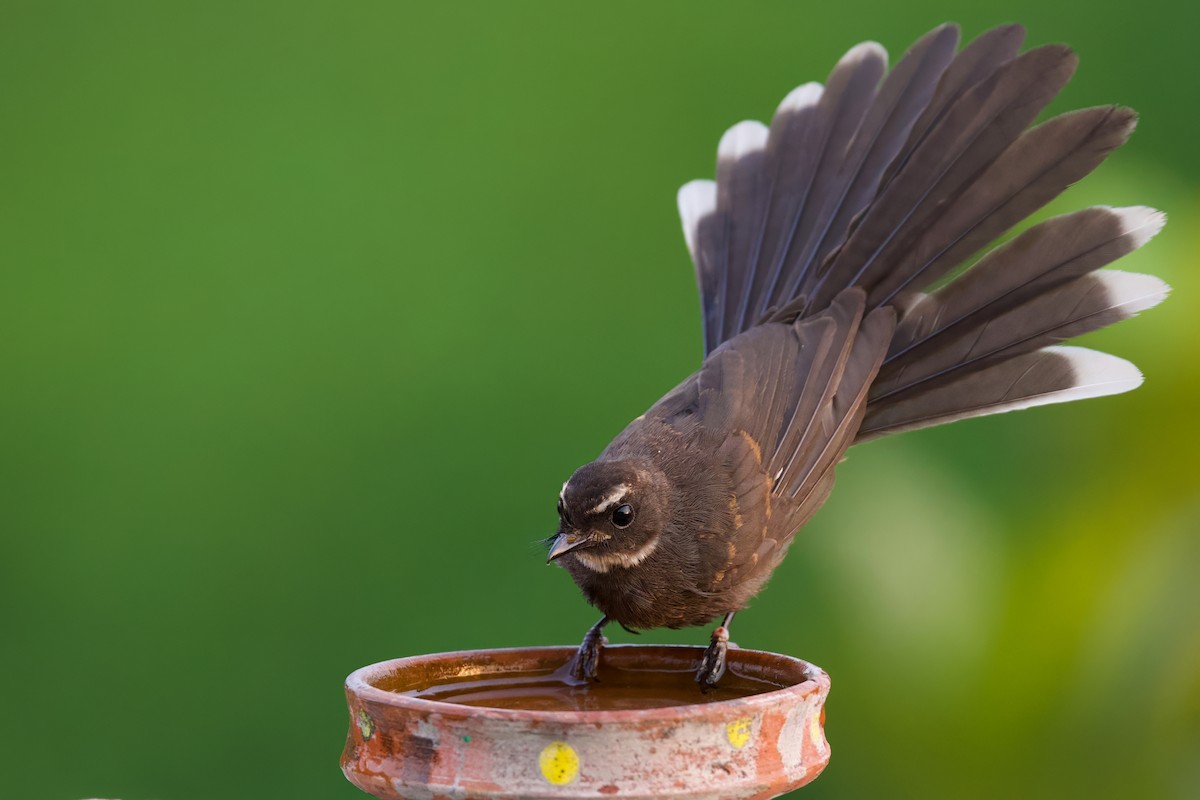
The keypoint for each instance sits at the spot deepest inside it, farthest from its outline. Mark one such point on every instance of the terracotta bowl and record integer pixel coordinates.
(757, 746)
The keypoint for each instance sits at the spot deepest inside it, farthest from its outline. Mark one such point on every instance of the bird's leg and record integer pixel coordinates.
(712, 663)
(587, 660)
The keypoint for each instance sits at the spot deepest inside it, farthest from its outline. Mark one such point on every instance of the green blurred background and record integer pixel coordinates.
(307, 309)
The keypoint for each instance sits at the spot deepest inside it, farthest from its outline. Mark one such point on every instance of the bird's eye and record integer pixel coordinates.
(622, 515)
(562, 510)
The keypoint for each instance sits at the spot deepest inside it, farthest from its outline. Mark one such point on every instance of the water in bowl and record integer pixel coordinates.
(617, 688)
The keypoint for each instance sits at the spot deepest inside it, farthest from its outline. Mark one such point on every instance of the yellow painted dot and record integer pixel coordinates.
(559, 763)
(738, 732)
(365, 725)
(815, 733)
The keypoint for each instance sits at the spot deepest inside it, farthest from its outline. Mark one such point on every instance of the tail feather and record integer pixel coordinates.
(1049, 375)
(743, 189)
(850, 182)
(980, 126)
(1007, 279)
(1032, 172)
(887, 183)
(1086, 304)
(978, 60)
(824, 156)
(799, 136)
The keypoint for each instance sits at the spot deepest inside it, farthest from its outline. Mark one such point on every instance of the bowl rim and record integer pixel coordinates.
(358, 685)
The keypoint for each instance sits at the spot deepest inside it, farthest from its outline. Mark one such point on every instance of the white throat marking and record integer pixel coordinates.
(603, 562)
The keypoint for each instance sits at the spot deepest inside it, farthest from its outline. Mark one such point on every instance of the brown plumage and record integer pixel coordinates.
(814, 249)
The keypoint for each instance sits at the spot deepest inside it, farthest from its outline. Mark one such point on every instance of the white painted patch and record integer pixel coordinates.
(603, 562)
(616, 495)
(1132, 292)
(742, 139)
(795, 732)
(696, 199)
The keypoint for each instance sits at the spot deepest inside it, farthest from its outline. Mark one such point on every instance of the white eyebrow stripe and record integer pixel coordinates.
(611, 499)
(562, 495)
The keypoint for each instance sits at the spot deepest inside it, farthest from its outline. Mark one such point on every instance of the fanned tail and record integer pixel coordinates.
(891, 181)
(1036, 291)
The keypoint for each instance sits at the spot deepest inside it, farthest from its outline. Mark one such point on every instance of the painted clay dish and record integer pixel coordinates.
(754, 746)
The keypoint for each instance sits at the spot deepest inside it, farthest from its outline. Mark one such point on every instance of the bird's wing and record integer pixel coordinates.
(782, 402)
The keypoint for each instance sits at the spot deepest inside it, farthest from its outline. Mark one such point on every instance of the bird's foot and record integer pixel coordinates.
(587, 660)
(712, 663)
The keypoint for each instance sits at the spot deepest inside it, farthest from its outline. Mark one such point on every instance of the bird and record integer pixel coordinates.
(848, 292)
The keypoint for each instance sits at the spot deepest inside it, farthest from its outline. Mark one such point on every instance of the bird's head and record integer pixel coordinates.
(610, 514)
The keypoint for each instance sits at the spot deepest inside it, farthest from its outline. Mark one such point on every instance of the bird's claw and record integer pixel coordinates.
(587, 660)
(712, 663)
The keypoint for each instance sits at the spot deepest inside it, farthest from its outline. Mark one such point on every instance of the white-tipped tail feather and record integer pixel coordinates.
(804, 96)
(1097, 374)
(697, 199)
(1141, 223)
(1132, 292)
(864, 51)
(1057, 374)
(742, 139)
(891, 182)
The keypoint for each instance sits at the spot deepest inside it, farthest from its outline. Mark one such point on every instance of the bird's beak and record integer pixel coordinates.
(565, 543)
